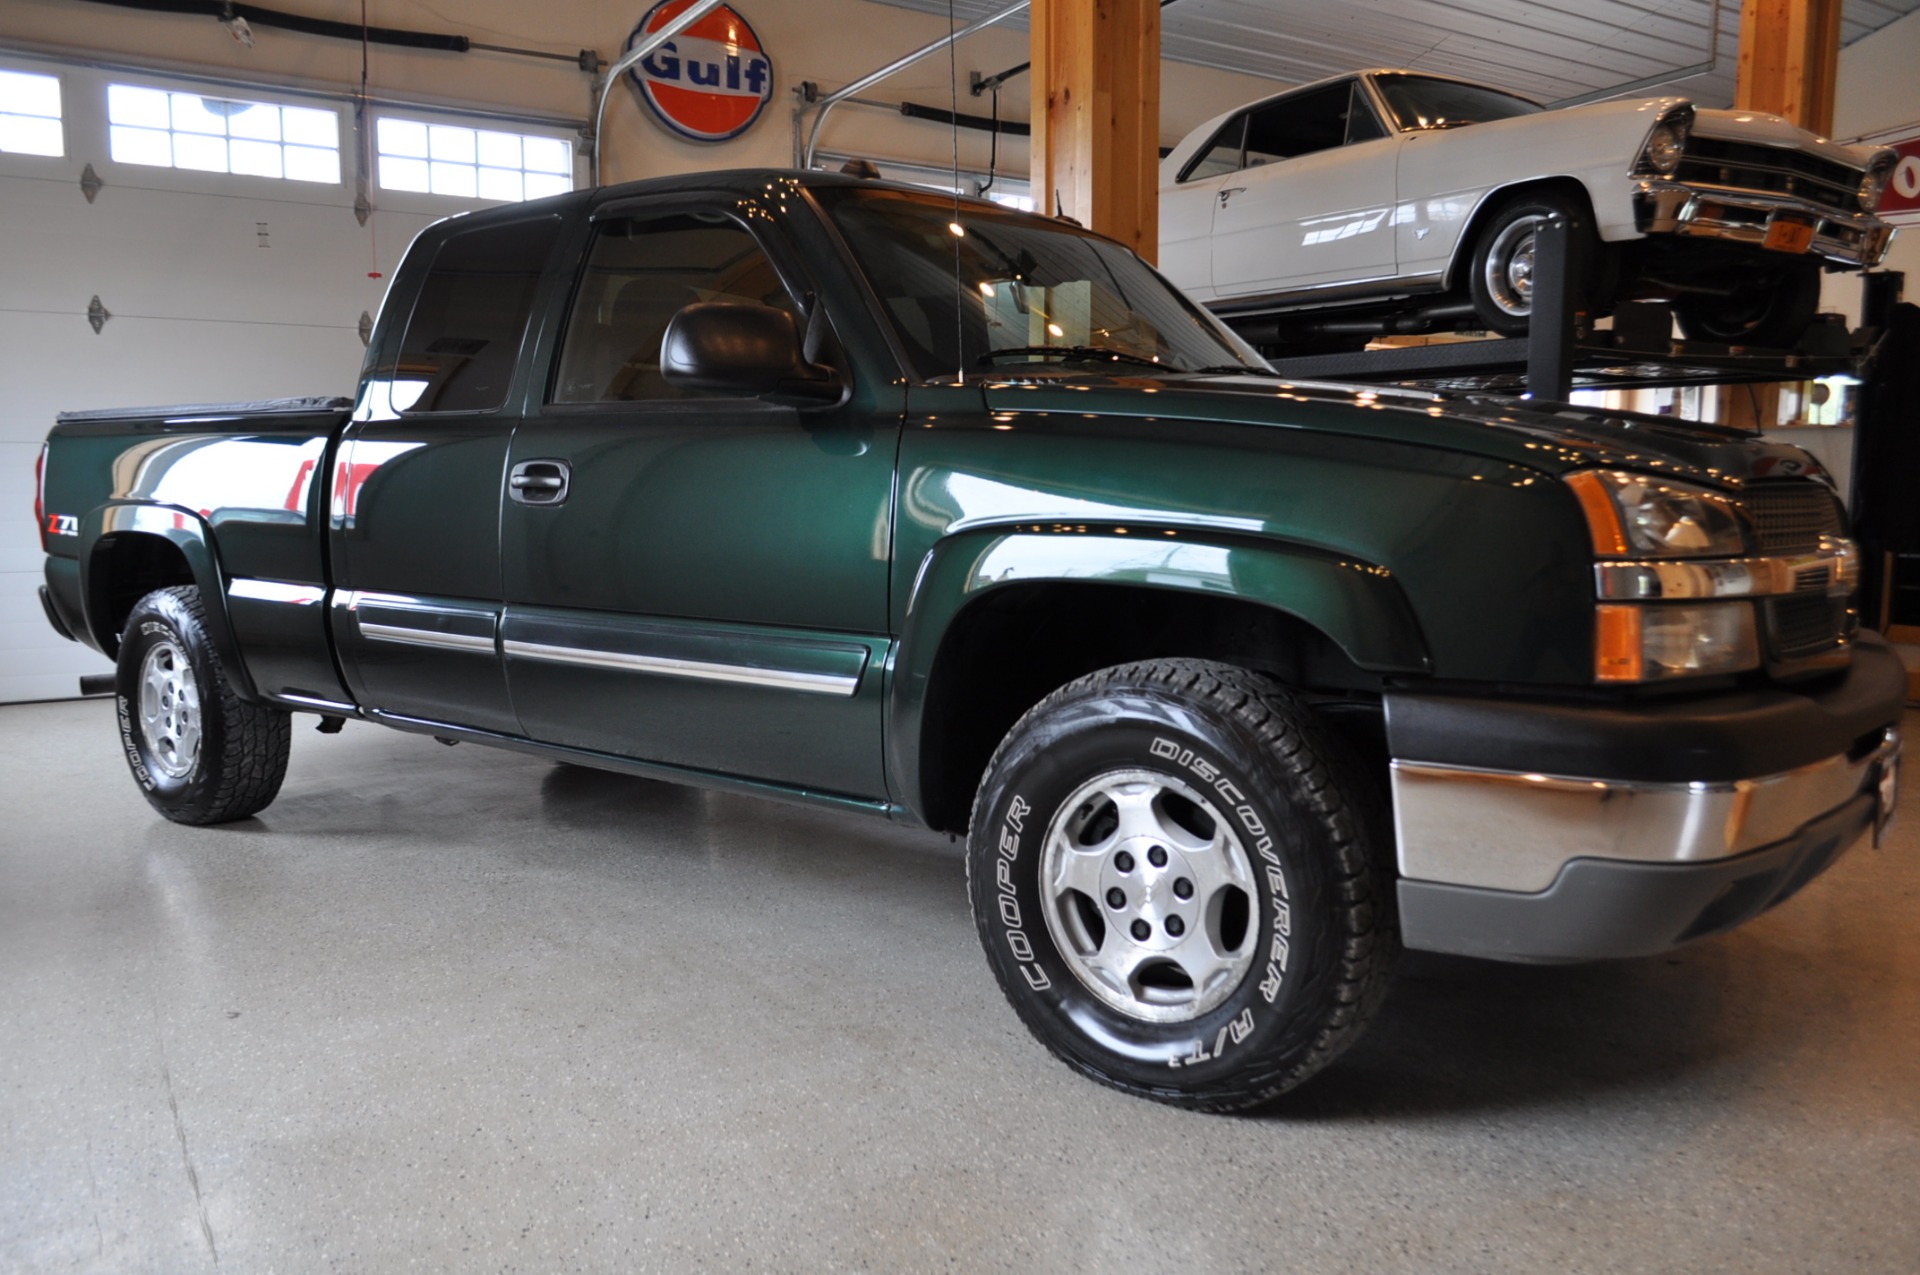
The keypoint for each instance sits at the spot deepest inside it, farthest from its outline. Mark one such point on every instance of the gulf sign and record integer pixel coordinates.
(1903, 189)
(710, 82)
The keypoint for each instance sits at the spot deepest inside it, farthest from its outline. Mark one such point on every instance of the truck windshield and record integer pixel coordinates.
(983, 288)
(1419, 102)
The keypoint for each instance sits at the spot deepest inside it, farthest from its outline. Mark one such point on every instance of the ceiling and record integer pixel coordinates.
(1546, 49)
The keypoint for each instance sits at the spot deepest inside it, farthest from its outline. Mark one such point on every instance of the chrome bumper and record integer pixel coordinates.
(1707, 212)
(1515, 832)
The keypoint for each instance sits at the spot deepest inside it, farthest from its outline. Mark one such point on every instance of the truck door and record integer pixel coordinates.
(417, 486)
(693, 579)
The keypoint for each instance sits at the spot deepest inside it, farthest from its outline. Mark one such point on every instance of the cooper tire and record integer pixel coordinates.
(199, 753)
(1178, 876)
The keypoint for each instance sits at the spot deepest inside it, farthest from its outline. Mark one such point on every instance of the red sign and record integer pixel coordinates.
(710, 82)
(1903, 188)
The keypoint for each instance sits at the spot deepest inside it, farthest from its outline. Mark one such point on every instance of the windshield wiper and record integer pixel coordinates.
(1088, 353)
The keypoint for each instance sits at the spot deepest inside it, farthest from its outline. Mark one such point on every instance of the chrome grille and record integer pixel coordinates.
(1712, 162)
(1791, 517)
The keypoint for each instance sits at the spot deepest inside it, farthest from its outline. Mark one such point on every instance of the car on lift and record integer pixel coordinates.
(1393, 201)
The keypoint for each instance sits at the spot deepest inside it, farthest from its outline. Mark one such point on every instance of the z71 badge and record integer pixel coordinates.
(62, 525)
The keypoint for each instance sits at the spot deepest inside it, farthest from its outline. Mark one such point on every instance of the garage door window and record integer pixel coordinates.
(30, 114)
(221, 135)
(472, 163)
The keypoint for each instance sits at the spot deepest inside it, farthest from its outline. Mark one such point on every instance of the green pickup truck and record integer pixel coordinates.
(825, 489)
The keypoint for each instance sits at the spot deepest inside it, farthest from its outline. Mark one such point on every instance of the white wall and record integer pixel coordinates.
(1877, 92)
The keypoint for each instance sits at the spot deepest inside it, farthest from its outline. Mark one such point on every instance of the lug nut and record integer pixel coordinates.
(1142, 931)
(1123, 862)
(1157, 857)
(1175, 926)
(1116, 898)
(1183, 888)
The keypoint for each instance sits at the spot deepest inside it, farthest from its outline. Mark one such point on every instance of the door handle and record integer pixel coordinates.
(540, 482)
(1229, 193)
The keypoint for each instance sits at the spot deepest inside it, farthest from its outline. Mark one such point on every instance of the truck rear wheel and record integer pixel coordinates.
(1175, 871)
(199, 753)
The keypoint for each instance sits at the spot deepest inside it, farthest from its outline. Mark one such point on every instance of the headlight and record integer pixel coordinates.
(1665, 147)
(1644, 643)
(1637, 515)
(1873, 184)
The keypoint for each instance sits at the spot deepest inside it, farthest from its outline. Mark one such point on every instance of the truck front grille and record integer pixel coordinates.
(1791, 517)
(1771, 170)
(1799, 627)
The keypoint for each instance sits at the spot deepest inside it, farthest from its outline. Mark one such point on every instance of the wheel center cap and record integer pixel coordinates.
(1156, 888)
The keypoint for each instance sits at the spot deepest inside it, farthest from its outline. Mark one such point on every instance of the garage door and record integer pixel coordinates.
(212, 285)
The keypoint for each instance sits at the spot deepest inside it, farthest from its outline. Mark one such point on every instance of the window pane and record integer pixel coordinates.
(453, 179)
(452, 144)
(261, 123)
(404, 174)
(257, 159)
(24, 94)
(472, 313)
(402, 137)
(540, 185)
(500, 150)
(500, 183)
(639, 275)
(310, 164)
(140, 146)
(199, 115)
(545, 155)
(309, 127)
(204, 154)
(144, 107)
(31, 135)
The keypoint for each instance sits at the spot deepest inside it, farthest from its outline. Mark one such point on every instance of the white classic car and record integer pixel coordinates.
(1415, 196)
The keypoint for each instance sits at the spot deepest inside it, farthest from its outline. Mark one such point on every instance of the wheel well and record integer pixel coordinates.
(126, 568)
(1463, 248)
(1008, 651)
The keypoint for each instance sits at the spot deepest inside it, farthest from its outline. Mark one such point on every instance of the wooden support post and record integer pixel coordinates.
(1096, 116)
(1789, 60)
(1789, 65)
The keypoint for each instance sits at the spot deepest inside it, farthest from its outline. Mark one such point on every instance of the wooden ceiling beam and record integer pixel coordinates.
(1096, 116)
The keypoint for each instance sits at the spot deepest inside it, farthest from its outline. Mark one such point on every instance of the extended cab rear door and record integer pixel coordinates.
(694, 579)
(419, 481)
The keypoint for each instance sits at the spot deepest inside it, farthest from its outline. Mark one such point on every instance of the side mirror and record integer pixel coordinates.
(737, 347)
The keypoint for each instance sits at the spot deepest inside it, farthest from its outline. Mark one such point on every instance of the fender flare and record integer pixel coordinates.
(192, 537)
(1359, 606)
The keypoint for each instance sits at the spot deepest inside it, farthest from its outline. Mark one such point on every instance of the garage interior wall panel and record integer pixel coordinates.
(1876, 95)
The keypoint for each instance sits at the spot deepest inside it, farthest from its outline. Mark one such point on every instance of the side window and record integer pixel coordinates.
(1299, 125)
(464, 335)
(1222, 155)
(1362, 124)
(640, 273)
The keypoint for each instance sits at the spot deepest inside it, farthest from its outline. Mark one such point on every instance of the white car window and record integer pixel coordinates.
(1337, 115)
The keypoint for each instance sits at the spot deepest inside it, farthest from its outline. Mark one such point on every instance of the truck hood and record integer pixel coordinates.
(1553, 438)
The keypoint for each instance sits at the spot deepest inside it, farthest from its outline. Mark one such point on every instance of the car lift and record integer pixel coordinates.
(1558, 357)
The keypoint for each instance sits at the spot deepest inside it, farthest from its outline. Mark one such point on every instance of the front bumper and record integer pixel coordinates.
(1744, 217)
(1635, 829)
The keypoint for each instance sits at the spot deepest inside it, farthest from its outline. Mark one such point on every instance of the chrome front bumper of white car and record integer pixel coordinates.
(1708, 212)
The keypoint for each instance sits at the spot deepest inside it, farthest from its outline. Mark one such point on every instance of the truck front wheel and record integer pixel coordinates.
(1175, 871)
(199, 753)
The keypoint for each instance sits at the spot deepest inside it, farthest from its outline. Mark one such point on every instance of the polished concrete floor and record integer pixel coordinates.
(452, 1009)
